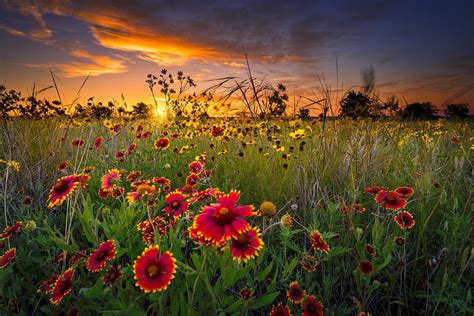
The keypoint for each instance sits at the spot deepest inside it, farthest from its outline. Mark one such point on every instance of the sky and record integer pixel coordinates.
(420, 50)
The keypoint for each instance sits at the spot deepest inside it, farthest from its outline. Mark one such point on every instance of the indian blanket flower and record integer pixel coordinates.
(64, 187)
(369, 249)
(99, 257)
(120, 155)
(148, 228)
(195, 167)
(192, 179)
(77, 142)
(404, 220)
(46, 286)
(62, 286)
(98, 142)
(11, 230)
(280, 310)
(154, 270)
(399, 241)
(311, 306)
(318, 243)
(309, 262)
(141, 191)
(223, 220)
(366, 267)
(358, 208)
(8, 257)
(374, 190)
(246, 293)
(110, 180)
(162, 143)
(405, 192)
(177, 204)
(112, 274)
(390, 200)
(295, 293)
(246, 245)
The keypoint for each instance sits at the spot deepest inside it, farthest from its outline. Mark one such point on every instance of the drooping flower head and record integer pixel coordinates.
(318, 243)
(366, 267)
(99, 257)
(11, 230)
(390, 200)
(223, 220)
(246, 245)
(112, 274)
(8, 257)
(405, 192)
(280, 310)
(404, 220)
(295, 293)
(62, 286)
(177, 204)
(64, 187)
(154, 270)
(110, 180)
(311, 306)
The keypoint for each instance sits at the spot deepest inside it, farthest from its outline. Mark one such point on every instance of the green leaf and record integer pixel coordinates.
(261, 275)
(265, 300)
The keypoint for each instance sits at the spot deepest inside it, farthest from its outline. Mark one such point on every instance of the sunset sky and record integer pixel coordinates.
(420, 50)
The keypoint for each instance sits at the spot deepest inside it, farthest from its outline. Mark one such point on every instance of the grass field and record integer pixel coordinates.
(86, 199)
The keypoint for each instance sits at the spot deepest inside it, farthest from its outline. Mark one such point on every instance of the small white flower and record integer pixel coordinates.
(167, 166)
(294, 206)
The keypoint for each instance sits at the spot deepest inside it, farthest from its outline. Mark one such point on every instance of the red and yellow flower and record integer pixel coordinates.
(99, 257)
(162, 143)
(366, 267)
(405, 192)
(390, 200)
(64, 187)
(112, 274)
(280, 310)
(318, 243)
(154, 270)
(311, 306)
(295, 293)
(246, 245)
(11, 230)
(62, 286)
(223, 220)
(110, 180)
(8, 257)
(404, 219)
(177, 204)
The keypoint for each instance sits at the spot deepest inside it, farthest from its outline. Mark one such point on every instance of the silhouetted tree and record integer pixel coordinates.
(419, 111)
(458, 109)
(356, 104)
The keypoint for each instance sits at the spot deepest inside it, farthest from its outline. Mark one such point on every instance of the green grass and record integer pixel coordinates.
(334, 166)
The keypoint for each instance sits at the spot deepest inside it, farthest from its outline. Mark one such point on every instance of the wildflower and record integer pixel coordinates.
(369, 249)
(98, 142)
(399, 241)
(62, 286)
(195, 167)
(294, 207)
(309, 263)
(374, 190)
(131, 148)
(77, 142)
(217, 131)
(11, 230)
(15, 165)
(103, 254)
(8, 257)
(162, 143)
(246, 245)
(280, 310)
(286, 221)
(64, 187)
(318, 243)
(454, 140)
(120, 155)
(46, 285)
(63, 165)
(112, 274)
(366, 267)
(311, 306)
(246, 293)
(177, 204)
(141, 191)
(103, 193)
(78, 257)
(30, 226)
(405, 192)
(298, 134)
(154, 270)
(192, 179)
(295, 293)
(224, 220)
(390, 200)
(267, 209)
(133, 176)
(404, 219)
(27, 200)
(110, 180)
(358, 208)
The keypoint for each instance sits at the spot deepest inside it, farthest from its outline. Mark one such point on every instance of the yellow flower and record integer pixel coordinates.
(279, 148)
(15, 165)
(298, 134)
